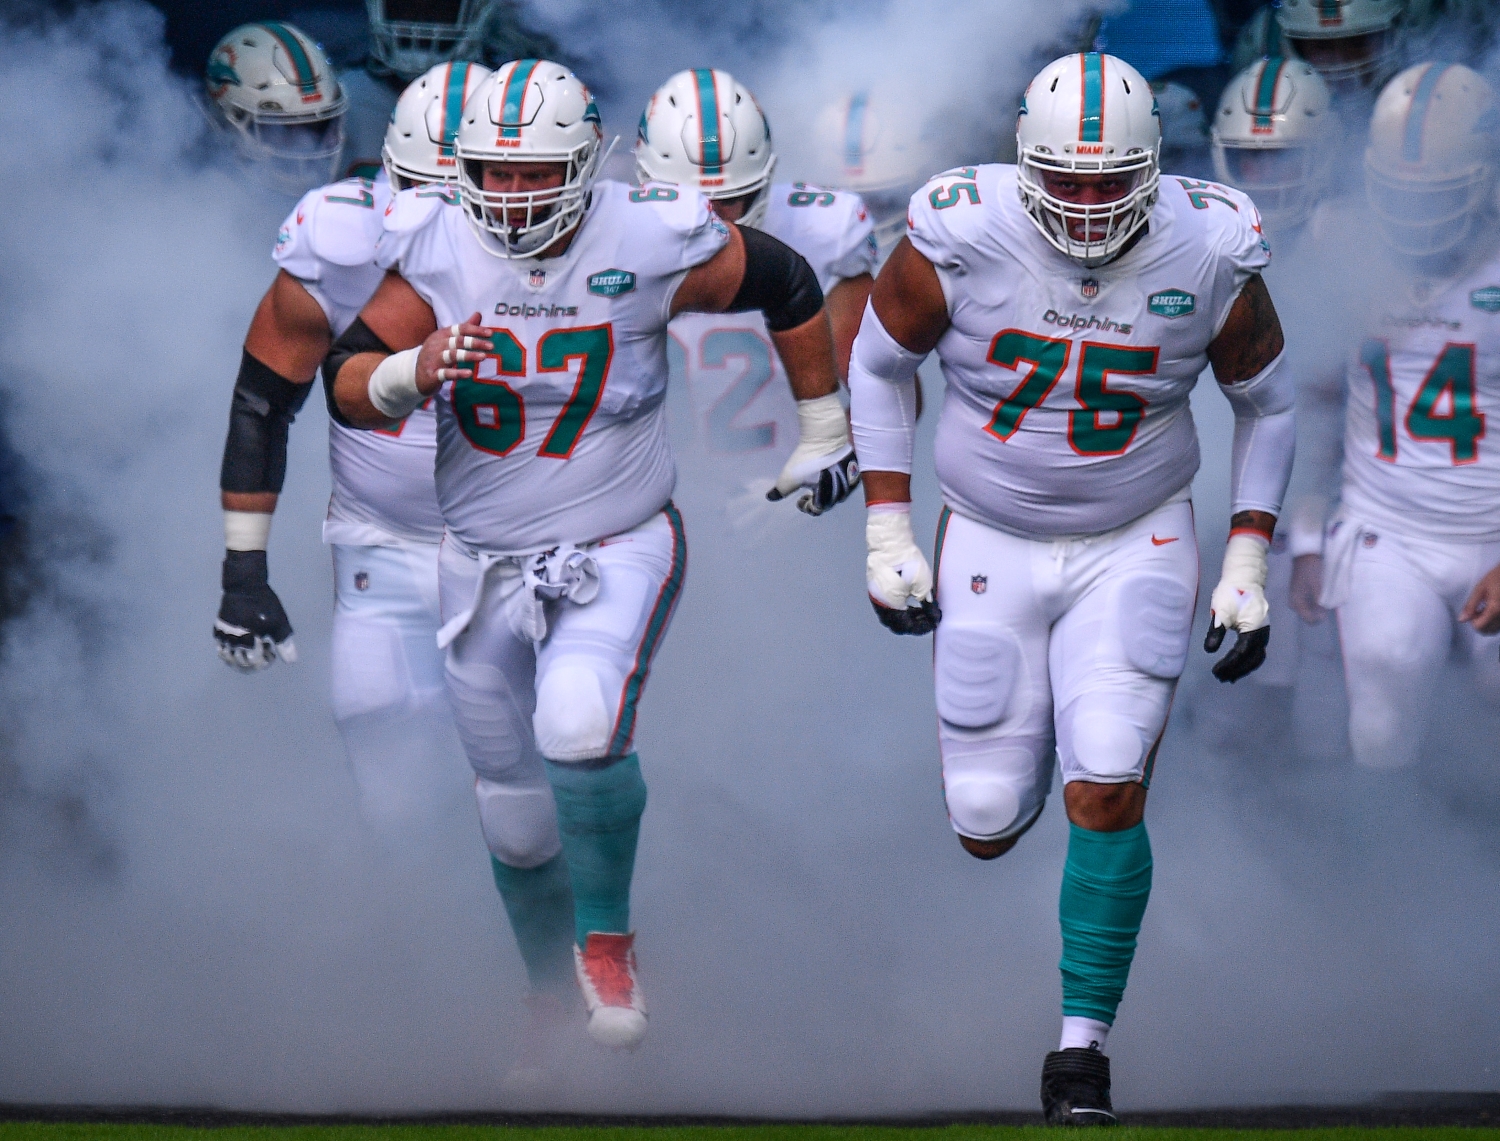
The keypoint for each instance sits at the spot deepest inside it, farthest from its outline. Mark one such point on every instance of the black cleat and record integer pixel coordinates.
(1075, 1088)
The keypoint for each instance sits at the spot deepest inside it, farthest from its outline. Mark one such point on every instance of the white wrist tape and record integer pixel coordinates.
(1265, 437)
(1239, 601)
(246, 530)
(882, 397)
(393, 385)
(896, 572)
(822, 425)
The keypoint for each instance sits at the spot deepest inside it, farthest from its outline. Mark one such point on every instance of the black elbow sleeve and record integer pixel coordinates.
(260, 412)
(357, 338)
(778, 281)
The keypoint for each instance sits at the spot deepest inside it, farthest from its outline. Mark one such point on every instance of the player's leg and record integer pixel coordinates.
(1115, 658)
(990, 676)
(1396, 629)
(1481, 650)
(387, 686)
(489, 675)
(591, 671)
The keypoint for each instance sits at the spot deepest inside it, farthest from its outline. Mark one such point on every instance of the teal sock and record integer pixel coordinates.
(539, 902)
(599, 813)
(1105, 885)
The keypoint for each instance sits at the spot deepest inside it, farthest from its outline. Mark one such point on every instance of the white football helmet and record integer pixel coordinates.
(530, 110)
(410, 37)
(703, 128)
(873, 146)
(1271, 138)
(276, 89)
(1430, 165)
(1348, 41)
(1086, 114)
(419, 141)
(1261, 37)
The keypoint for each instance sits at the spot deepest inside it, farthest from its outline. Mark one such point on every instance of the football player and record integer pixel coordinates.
(705, 130)
(536, 307)
(274, 90)
(1411, 559)
(1073, 300)
(1352, 43)
(383, 524)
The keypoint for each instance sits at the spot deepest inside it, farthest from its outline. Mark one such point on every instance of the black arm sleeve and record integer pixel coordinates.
(778, 281)
(260, 412)
(357, 338)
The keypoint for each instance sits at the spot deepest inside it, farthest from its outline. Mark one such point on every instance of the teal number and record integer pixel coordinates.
(1199, 196)
(490, 413)
(1047, 356)
(654, 194)
(449, 194)
(366, 196)
(594, 348)
(941, 199)
(1087, 433)
(1462, 425)
(1375, 356)
(802, 196)
(719, 347)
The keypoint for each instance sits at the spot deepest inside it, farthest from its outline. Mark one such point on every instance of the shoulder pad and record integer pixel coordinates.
(342, 221)
(953, 209)
(675, 223)
(409, 213)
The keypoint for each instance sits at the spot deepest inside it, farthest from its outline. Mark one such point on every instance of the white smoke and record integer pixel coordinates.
(194, 915)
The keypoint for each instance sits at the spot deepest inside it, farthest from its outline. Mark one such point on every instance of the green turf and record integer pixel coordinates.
(38, 1131)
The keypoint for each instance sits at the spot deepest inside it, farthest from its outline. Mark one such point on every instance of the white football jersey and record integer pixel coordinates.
(738, 389)
(1416, 456)
(561, 437)
(1066, 406)
(381, 480)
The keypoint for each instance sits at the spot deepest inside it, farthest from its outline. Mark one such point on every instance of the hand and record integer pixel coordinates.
(1307, 584)
(1239, 603)
(897, 575)
(252, 628)
(823, 462)
(1482, 610)
(452, 353)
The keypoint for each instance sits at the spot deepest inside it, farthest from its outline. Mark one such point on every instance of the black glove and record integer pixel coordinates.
(252, 628)
(1246, 656)
(921, 619)
(835, 483)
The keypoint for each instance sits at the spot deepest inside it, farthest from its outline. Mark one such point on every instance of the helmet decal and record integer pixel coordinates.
(515, 98)
(854, 132)
(221, 72)
(1265, 96)
(1091, 117)
(1416, 115)
(709, 153)
(307, 78)
(1330, 13)
(453, 105)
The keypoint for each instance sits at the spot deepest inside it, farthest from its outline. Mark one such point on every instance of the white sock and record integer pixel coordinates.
(1082, 1033)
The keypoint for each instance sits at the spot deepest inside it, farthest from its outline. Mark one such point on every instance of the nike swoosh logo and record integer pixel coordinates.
(1155, 542)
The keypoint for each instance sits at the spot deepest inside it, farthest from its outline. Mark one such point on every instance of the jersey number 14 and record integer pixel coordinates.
(492, 415)
(1430, 416)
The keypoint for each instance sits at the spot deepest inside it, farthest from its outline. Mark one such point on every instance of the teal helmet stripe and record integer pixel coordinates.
(1328, 12)
(516, 84)
(1265, 92)
(1091, 118)
(453, 105)
(708, 122)
(307, 77)
(854, 130)
(1416, 114)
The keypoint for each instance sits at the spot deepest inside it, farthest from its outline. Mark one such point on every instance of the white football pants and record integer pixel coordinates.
(571, 697)
(388, 696)
(1071, 645)
(1398, 628)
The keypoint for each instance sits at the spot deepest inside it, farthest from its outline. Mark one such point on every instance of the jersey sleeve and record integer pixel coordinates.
(294, 251)
(1243, 252)
(946, 216)
(681, 232)
(408, 216)
(853, 248)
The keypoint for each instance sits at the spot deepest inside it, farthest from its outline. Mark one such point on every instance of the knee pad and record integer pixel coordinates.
(1156, 620)
(995, 790)
(519, 823)
(573, 719)
(1096, 737)
(976, 667)
(372, 673)
(491, 720)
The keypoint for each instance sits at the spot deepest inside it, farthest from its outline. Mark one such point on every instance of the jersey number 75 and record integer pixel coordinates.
(1089, 432)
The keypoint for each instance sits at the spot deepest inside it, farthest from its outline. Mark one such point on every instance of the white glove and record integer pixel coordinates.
(823, 461)
(1239, 603)
(896, 572)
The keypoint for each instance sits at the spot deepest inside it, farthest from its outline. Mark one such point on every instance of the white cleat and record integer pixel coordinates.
(611, 992)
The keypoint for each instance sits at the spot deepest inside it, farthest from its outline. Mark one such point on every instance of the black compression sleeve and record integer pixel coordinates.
(778, 281)
(357, 338)
(260, 412)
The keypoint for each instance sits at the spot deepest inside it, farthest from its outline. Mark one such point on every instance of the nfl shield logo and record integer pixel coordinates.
(1090, 288)
(361, 581)
(979, 583)
(538, 278)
